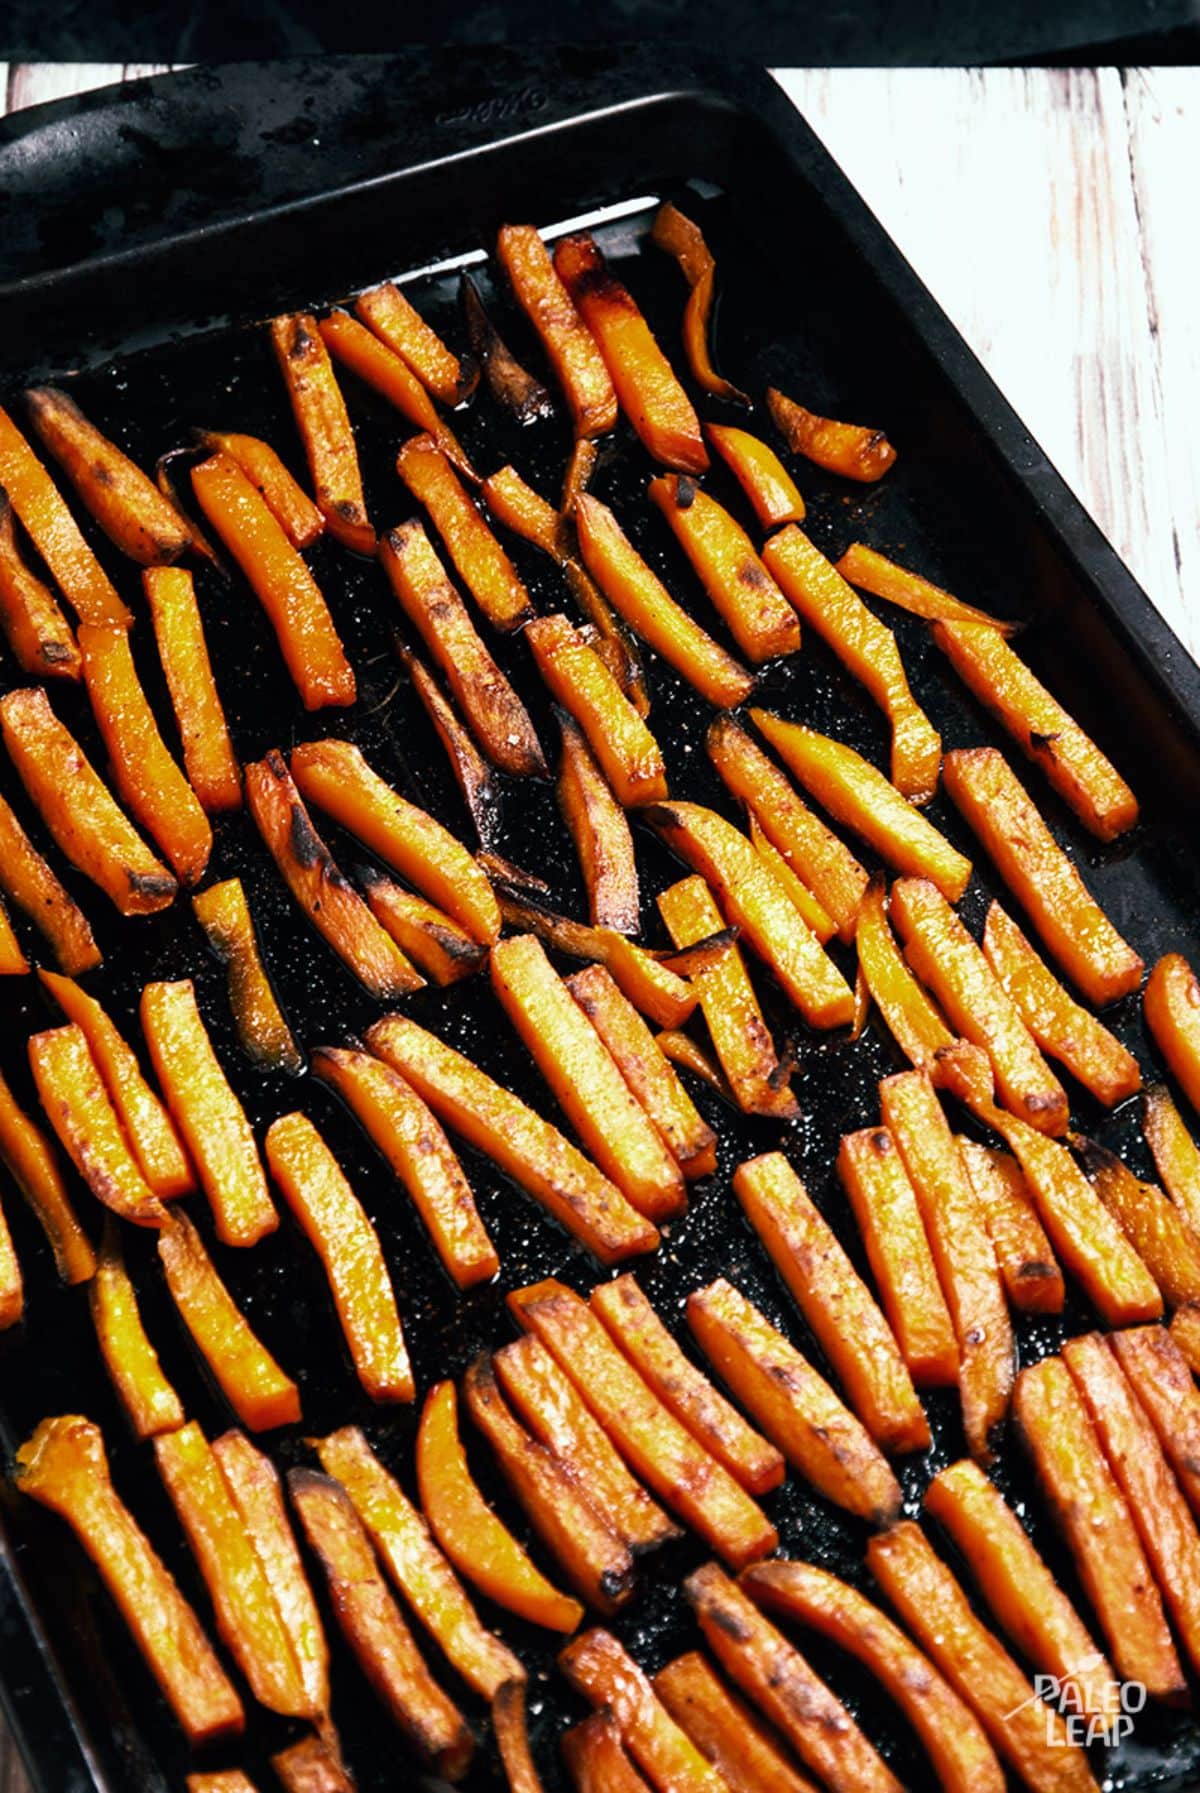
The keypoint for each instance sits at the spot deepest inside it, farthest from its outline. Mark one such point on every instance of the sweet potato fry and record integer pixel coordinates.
(377, 363)
(683, 1388)
(510, 384)
(285, 498)
(1098, 1527)
(596, 1759)
(566, 339)
(313, 1765)
(481, 562)
(874, 573)
(866, 647)
(578, 679)
(208, 1115)
(34, 627)
(252, 1382)
(13, 962)
(885, 1208)
(600, 830)
(614, 641)
(63, 1466)
(809, 908)
(77, 1105)
(324, 427)
(1162, 1237)
(400, 1124)
(850, 449)
(433, 940)
(12, 1287)
(415, 1563)
(598, 1667)
(780, 1683)
(1185, 1334)
(1171, 1006)
(649, 393)
(78, 808)
(773, 494)
(547, 1402)
(208, 755)
(958, 1750)
(657, 1448)
(54, 532)
(639, 596)
(124, 501)
(526, 1147)
(266, 1038)
(652, 987)
(30, 1160)
(472, 773)
(982, 786)
(724, 1729)
(680, 237)
(280, 580)
(511, 1732)
(1163, 1383)
(1030, 1736)
(1032, 1278)
(794, 1405)
(834, 1300)
(164, 479)
(913, 1019)
(339, 1231)
(564, 1511)
(396, 321)
(129, 1357)
(1176, 1155)
(759, 617)
(29, 882)
(222, 1780)
(373, 1627)
(513, 502)
(1043, 730)
(585, 1079)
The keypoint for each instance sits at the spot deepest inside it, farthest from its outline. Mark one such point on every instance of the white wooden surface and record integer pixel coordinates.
(1052, 212)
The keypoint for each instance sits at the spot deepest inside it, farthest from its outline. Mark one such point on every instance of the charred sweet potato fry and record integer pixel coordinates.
(207, 1113)
(759, 617)
(266, 1038)
(324, 427)
(1032, 1278)
(285, 498)
(724, 1729)
(1176, 1155)
(377, 363)
(433, 940)
(663, 1453)
(983, 787)
(913, 1019)
(129, 1357)
(64, 1467)
(373, 1627)
(252, 1382)
(1163, 1382)
(164, 479)
(397, 322)
(1043, 730)
(585, 1079)
(874, 573)
(569, 345)
(614, 640)
(28, 881)
(337, 1228)
(78, 808)
(1162, 1237)
(649, 393)
(600, 830)
(683, 1388)
(834, 1300)
(1028, 1735)
(513, 502)
(124, 501)
(578, 679)
(416, 1565)
(596, 1759)
(770, 489)
(30, 1160)
(280, 580)
(54, 532)
(1171, 1006)
(313, 1765)
(885, 1208)
(639, 596)
(652, 987)
(598, 1667)
(407, 1134)
(809, 908)
(527, 1148)
(850, 449)
(208, 755)
(510, 384)
(472, 773)
(680, 237)
(1185, 1334)
(1098, 1527)
(34, 627)
(481, 562)
(77, 1105)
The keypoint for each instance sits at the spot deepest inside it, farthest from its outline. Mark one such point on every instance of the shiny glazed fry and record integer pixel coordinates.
(377, 362)
(416, 1565)
(224, 1780)
(652, 987)
(773, 494)
(320, 413)
(124, 501)
(596, 1759)
(400, 1124)
(834, 1300)
(1176, 1155)
(31, 1162)
(759, 617)
(913, 1018)
(1072, 762)
(78, 808)
(252, 1382)
(266, 1038)
(1163, 1383)
(472, 773)
(599, 1668)
(212, 767)
(54, 532)
(34, 627)
(311, 1766)
(600, 830)
(680, 237)
(649, 393)
(569, 344)
(1171, 1006)
(874, 573)
(63, 1466)
(164, 479)
(513, 502)
(510, 384)
(130, 1359)
(12, 1288)
(396, 321)
(615, 644)
(983, 788)
(72, 1094)
(579, 680)
(512, 1739)
(724, 1729)
(28, 881)
(1162, 1237)
(280, 580)
(1185, 1334)
(846, 448)
(481, 562)
(428, 936)
(526, 1147)
(287, 501)
(13, 962)
(811, 911)
(1032, 1278)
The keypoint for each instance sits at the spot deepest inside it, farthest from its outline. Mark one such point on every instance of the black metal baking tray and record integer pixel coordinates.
(147, 230)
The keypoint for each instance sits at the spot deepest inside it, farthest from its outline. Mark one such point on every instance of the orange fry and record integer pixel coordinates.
(579, 680)
(77, 1105)
(1162, 1237)
(212, 767)
(874, 573)
(724, 1729)
(652, 987)
(377, 363)
(397, 322)
(680, 237)
(481, 562)
(435, 942)
(1163, 1382)
(758, 616)
(566, 339)
(1176, 1155)
(915, 1022)
(287, 501)
(600, 830)
(596, 1759)
(34, 627)
(29, 882)
(597, 1666)
(320, 413)
(472, 773)
(846, 448)
(54, 532)
(312, 1766)
(773, 494)
(512, 386)
(1032, 1278)
(32, 1164)
(809, 908)
(1171, 1005)
(513, 502)
(265, 1037)
(125, 502)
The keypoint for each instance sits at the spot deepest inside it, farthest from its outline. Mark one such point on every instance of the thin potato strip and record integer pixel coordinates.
(600, 830)
(481, 562)
(596, 1759)
(724, 1729)
(513, 502)
(597, 1666)
(772, 492)
(873, 572)
(472, 773)
(811, 911)
(287, 500)
(266, 1038)
(34, 627)
(397, 322)
(1176, 1155)
(54, 532)
(1171, 1006)
(569, 344)
(652, 987)
(77, 1105)
(1162, 1237)
(579, 680)
(125, 502)
(759, 617)
(29, 882)
(680, 237)
(32, 1163)
(1032, 1277)
(1163, 1381)
(377, 363)
(212, 767)
(510, 384)
(150, 1402)
(850, 449)
(913, 1019)
(324, 427)
(433, 940)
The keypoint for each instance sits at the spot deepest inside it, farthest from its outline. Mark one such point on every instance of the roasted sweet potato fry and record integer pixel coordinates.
(600, 830)
(409, 1137)
(1162, 1237)
(13, 962)
(129, 1357)
(983, 787)
(596, 1759)
(834, 1300)
(1185, 1334)
(649, 393)
(659, 1450)
(415, 1563)
(77, 1105)
(653, 988)
(212, 767)
(680, 237)
(472, 773)
(772, 492)
(614, 641)
(313, 1765)
(526, 1147)
(1163, 1382)
(396, 321)
(31, 1162)
(566, 339)
(433, 940)
(1072, 762)
(222, 1780)
(252, 1382)
(759, 617)
(1176, 1155)
(29, 882)
(724, 1729)
(372, 1625)
(810, 909)
(481, 562)
(874, 573)
(54, 532)
(34, 627)
(63, 1466)
(1171, 1006)
(511, 1732)
(913, 1019)
(510, 384)
(12, 1287)
(850, 449)
(375, 361)
(1032, 1278)
(513, 502)
(640, 597)
(164, 479)
(266, 1038)
(579, 680)
(1030, 1736)
(285, 498)
(124, 501)
(320, 413)
(598, 1667)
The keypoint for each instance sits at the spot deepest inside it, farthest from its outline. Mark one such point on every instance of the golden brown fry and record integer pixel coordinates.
(1162, 1237)
(513, 502)
(614, 642)
(481, 562)
(149, 1400)
(1032, 1278)
(320, 413)
(54, 532)
(1171, 1006)
(378, 363)
(773, 494)
(680, 237)
(1159, 1372)
(1176, 1155)
(396, 321)
(598, 1667)
(846, 448)
(1185, 1331)
(266, 1038)
(596, 1759)
(472, 773)
(874, 573)
(13, 962)
(579, 680)
(510, 384)
(759, 617)
(652, 987)
(810, 909)
(288, 502)
(28, 881)
(34, 627)
(512, 1739)
(76, 1103)
(724, 1729)
(212, 767)
(164, 479)
(600, 830)
(312, 1766)
(124, 501)
(915, 1022)
(31, 1162)
(566, 339)
(433, 940)
(223, 1780)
